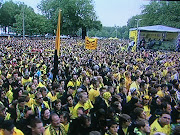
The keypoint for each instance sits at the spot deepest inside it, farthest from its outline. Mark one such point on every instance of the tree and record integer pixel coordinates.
(76, 14)
(34, 23)
(162, 13)
(8, 11)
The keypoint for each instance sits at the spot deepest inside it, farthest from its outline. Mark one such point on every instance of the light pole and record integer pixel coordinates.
(116, 27)
(23, 23)
(138, 32)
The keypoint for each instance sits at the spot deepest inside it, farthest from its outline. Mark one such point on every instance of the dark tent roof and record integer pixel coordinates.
(159, 28)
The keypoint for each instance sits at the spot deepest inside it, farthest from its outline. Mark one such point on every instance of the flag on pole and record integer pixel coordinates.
(57, 48)
(57, 45)
(91, 43)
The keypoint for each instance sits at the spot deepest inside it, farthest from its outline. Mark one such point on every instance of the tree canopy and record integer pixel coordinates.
(34, 23)
(8, 11)
(80, 15)
(76, 14)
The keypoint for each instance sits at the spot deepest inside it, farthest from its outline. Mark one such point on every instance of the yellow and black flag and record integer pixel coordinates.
(57, 45)
(57, 48)
(91, 43)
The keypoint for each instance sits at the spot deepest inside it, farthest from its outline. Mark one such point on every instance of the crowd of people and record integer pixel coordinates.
(107, 91)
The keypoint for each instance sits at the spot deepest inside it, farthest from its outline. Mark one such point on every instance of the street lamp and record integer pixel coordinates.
(23, 23)
(138, 30)
(116, 27)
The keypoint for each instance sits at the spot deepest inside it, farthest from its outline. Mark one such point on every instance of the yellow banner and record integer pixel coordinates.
(133, 35)
(91, 43)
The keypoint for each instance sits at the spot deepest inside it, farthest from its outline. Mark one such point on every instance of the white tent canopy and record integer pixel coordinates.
(159, 28)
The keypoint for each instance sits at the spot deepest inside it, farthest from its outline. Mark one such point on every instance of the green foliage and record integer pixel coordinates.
(34, 23)
(162, 13)
(11, 14)
(80, 15)
(8, 11)
(76, 14)
(107, 32)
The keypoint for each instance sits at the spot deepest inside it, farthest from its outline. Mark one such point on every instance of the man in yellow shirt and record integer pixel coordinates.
(3, 114)
(162, 124)
(52, 95)
(8, 128)
(39, 104)
(142, 127)
(94, 92)
(83, 102)
(74, 82)
(64, 119)
(55, 128)
(26, 79)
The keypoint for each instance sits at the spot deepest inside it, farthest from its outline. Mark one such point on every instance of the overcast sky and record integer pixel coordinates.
(109, 12)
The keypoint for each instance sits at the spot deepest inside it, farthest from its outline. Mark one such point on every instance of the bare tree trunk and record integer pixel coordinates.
(83, 32)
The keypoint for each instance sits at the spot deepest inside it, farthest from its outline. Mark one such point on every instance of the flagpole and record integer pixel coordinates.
(57, 48)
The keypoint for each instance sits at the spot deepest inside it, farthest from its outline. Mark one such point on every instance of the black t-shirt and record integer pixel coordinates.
(46, 122)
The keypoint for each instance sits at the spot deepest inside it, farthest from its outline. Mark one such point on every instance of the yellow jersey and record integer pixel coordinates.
(50, 130)
(51, 97)
(87, 106)
(15, 132)
(93, 94)
(156, 127)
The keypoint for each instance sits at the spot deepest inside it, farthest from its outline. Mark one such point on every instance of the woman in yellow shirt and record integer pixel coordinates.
(146, 106)
(64, 119)
(127, 79)
(8, 128)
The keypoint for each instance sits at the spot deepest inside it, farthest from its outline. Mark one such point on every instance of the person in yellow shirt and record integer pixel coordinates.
(94, 92)
(3, 99)
(5, 115)
(146, 106)
(9, 95)
(55, 128)
(124, 124)
(29, 101)
(85, 83)
(160, 93)
(26, 79)
(83, 102)
(74, 82)
(8, 128)
(31, 88)
(162, 124)
(64, 119)
(121, 83)
(132, 93)
(39, 104)
(52, 95)
(135, 83)
(43, 91)
(127, 79)
(18, 111)
(37, 84)
(142, 127)
(107, 98)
